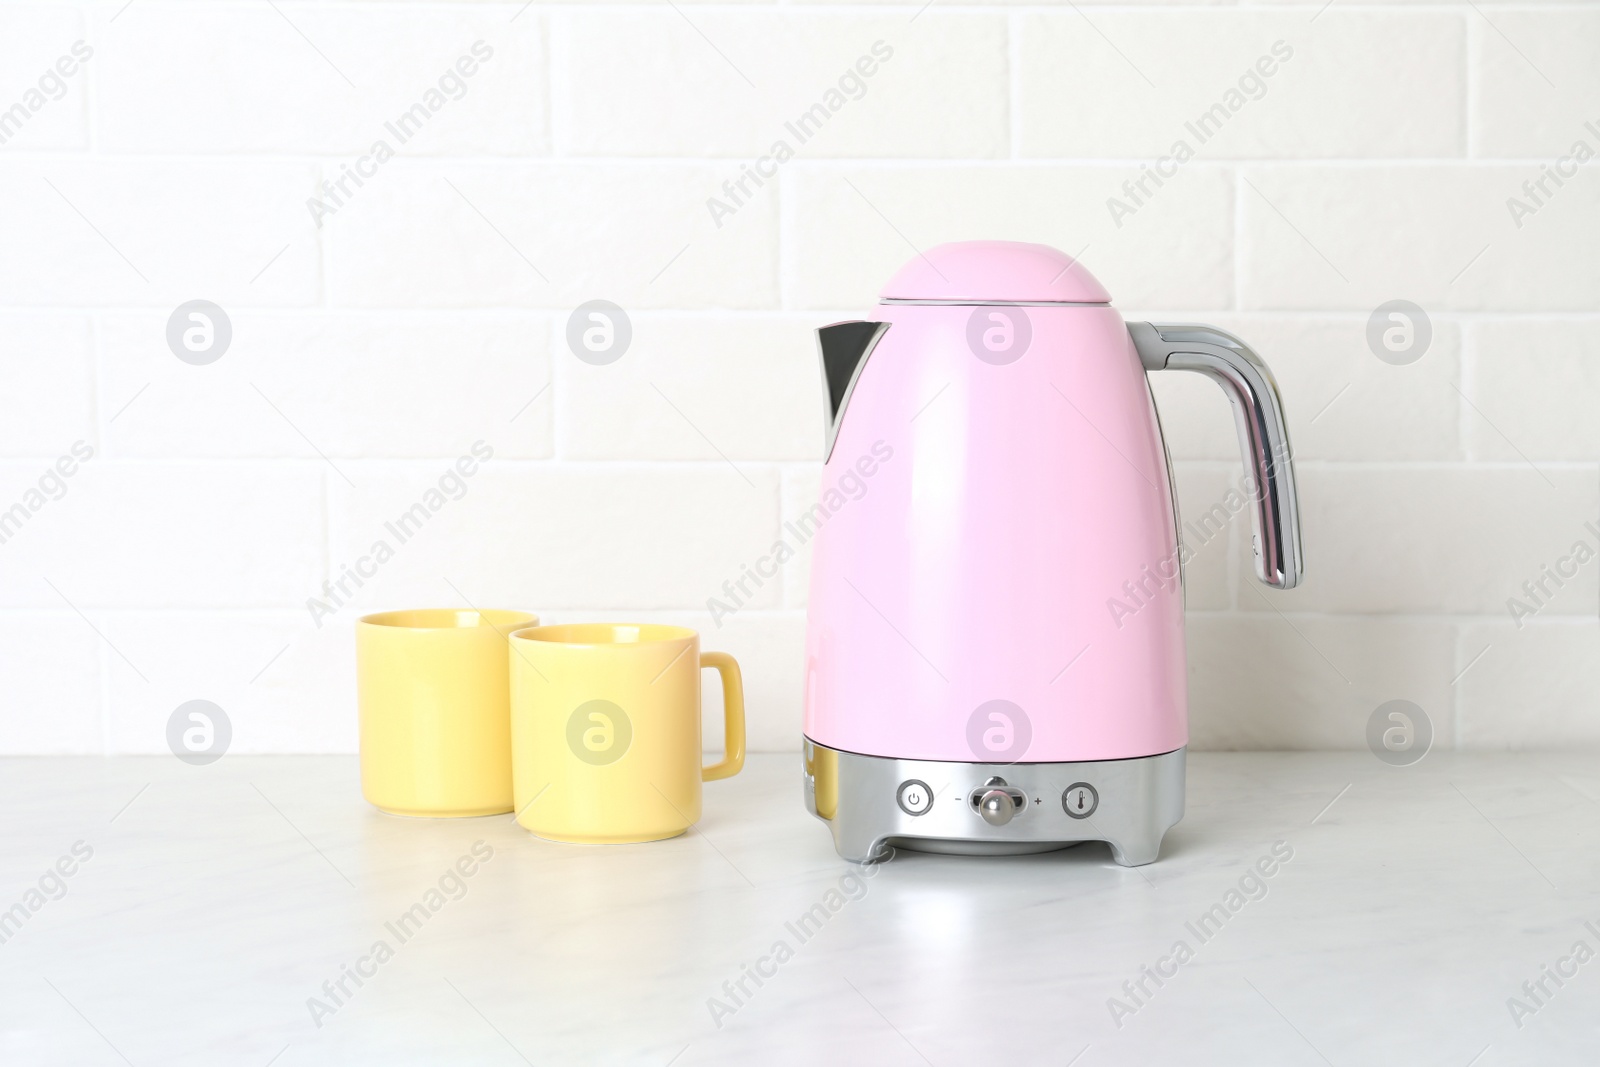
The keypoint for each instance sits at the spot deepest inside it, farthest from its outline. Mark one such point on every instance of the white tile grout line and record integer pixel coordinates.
(103, 663)
(91, 75)
(1235, 254)
(1470, 664)
(1469, 97)
(535, 464)
(1014, 84)
(907, 7)
(447, 312)
(547, 41)
(324, 257)
(419, 161)
(803, 318)
(783, 234)
(289, 611)
(1467, 341)
(559, 370)
(327, 525)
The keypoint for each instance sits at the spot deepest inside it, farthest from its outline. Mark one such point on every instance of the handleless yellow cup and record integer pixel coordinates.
(434, 694)
(605, 730)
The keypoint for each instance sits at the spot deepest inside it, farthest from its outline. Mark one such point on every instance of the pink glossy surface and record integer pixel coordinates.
(975, 563)
(994, 270)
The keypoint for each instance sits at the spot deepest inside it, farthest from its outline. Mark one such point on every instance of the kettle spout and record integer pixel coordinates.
(845, 347)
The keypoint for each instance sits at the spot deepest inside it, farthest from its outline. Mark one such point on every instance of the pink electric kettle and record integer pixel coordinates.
(995, 650)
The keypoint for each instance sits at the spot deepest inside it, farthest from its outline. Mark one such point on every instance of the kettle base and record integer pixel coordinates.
(874, 803)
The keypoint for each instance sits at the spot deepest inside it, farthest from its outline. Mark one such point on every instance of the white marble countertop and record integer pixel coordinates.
(216, 901)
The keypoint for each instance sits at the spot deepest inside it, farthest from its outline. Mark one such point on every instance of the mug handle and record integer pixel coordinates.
(732, 716)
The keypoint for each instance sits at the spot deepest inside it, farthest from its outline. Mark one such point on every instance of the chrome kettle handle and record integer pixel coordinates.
(1263, 435)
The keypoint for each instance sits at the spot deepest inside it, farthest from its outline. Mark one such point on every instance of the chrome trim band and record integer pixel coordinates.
(1138, 801)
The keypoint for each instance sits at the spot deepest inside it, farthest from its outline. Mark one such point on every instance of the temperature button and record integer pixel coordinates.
(914, 797)
(1079, 801)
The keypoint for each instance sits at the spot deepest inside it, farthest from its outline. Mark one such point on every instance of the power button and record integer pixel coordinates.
(914, 797)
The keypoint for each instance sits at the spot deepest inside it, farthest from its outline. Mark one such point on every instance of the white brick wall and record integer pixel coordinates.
(427, 311)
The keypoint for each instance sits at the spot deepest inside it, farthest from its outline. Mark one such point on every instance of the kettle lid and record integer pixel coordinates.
(1000, 272)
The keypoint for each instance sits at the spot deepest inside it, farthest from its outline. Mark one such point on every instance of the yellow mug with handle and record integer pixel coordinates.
(605, 730)
(434, 693)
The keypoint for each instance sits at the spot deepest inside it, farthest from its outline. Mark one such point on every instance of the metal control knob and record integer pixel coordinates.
(996, 807)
